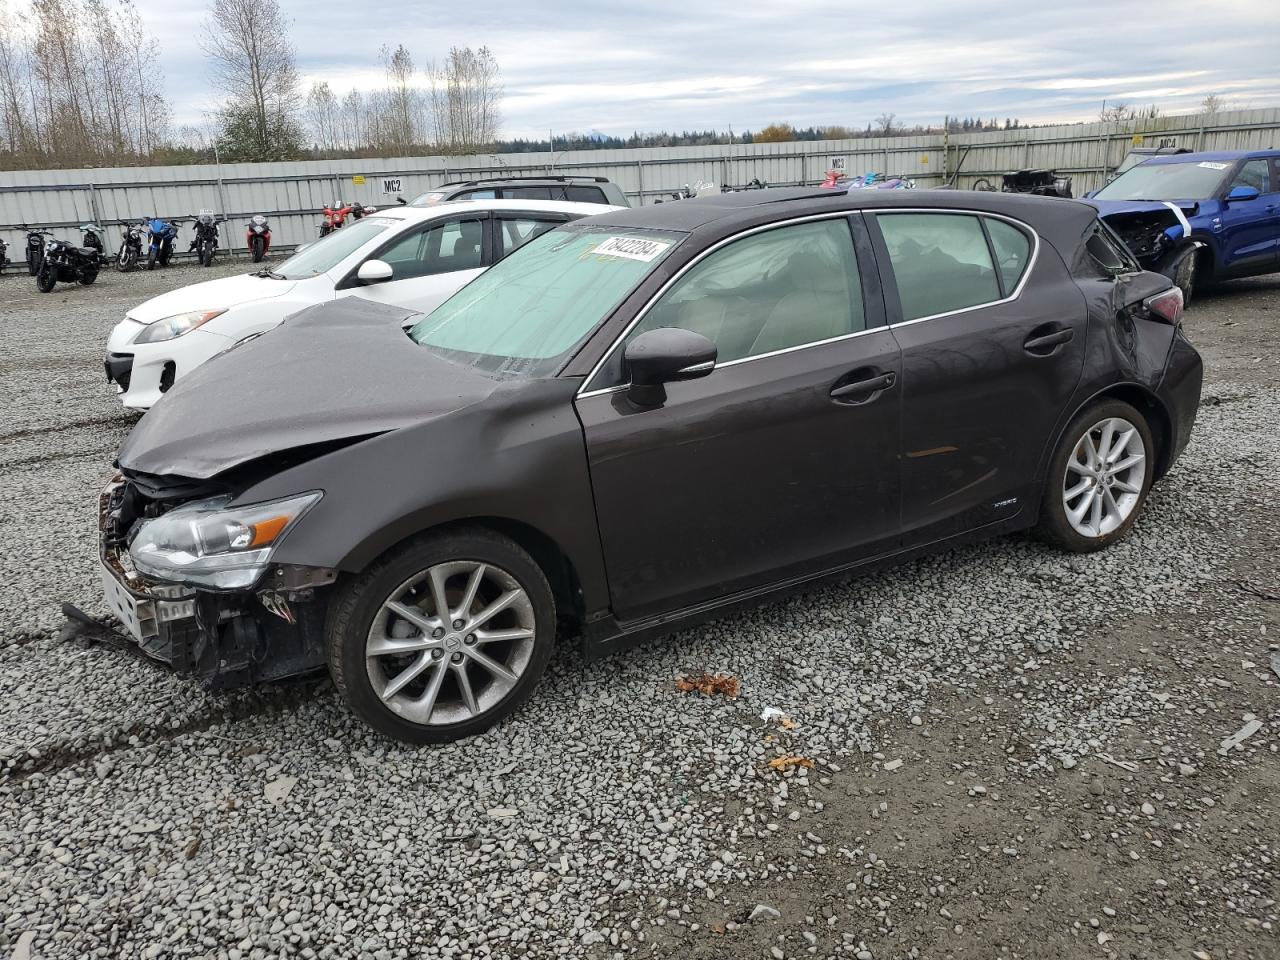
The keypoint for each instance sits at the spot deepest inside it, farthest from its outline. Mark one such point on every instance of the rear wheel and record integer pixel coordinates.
(443, 637)
(1099, 478)
(88, 275)
(46, 277)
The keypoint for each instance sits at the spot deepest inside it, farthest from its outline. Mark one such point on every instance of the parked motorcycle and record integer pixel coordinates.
(161, 234)
(130, 251)
(64, 261)
(205, 243)
(35, 247)
(4, 254)
(334, 217)
(257, 237)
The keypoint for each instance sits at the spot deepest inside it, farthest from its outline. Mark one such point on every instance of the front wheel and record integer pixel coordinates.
(1099, 478)
(46, 277)
(33, 261)
(127, 260)
(259, 250)
(206, 255)
(443, 637)
(151, 258)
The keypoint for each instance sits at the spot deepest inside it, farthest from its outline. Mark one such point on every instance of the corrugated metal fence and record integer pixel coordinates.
(292, 194)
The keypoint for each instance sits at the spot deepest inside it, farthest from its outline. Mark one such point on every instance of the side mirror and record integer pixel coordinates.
(1243, 193)
(663, 356)
(374, 271)
(402, 201)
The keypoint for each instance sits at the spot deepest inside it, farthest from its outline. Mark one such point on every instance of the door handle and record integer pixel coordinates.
(1046, 344)
(859, 389)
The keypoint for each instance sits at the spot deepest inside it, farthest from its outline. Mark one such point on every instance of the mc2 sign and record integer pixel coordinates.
(391, 186)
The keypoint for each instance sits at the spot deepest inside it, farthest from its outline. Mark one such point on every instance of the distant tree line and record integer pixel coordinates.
(81, 85)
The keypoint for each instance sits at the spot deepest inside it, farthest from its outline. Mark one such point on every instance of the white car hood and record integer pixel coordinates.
(211, 295)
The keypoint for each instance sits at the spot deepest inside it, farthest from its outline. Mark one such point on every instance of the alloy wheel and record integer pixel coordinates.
(1104, 477)
(450, 643)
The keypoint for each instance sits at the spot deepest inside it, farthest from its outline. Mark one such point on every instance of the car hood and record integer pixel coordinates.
(1109, 209)
(211, 295)
(337, 372)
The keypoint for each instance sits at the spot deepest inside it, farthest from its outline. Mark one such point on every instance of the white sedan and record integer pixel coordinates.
(404, 257)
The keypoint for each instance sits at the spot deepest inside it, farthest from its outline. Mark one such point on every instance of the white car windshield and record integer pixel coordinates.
(328, 252)
(525, 315)
(1195, 180)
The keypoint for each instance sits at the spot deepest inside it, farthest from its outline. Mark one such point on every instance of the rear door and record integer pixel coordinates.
(992, 330)
(1250, 235)
(429, 263)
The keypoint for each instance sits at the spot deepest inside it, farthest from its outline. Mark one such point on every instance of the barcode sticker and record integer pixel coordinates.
(631, 248)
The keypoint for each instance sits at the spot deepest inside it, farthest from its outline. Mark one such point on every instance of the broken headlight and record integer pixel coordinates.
(209, 543)
(176, 326)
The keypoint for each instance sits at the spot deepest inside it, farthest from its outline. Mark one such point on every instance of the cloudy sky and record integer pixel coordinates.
(621, 67)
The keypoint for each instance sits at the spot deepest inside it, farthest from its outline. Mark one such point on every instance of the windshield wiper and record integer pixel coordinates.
(267, 272)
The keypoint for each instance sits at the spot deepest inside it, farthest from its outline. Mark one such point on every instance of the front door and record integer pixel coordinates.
(1250, 235)
(992, 330)
(428, 264)
(778, 464)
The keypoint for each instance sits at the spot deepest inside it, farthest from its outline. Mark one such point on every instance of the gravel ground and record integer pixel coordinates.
(1015, 753)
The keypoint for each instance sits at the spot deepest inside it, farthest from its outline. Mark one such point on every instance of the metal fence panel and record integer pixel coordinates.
(293, 193)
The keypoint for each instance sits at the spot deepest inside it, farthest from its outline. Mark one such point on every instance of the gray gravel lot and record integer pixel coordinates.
(1016, 752)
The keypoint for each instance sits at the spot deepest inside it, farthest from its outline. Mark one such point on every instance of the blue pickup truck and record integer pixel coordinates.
(1199, 217)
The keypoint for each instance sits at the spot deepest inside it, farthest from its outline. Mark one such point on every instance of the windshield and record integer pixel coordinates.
(327, 252)
(1198, 180)
(524, 315)
(427, 199)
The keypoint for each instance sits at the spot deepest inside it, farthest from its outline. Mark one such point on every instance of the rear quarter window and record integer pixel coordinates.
(585, 194)
(941, 262)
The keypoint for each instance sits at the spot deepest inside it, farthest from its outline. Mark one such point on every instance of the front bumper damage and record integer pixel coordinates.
(225, 639)
(1158, 234)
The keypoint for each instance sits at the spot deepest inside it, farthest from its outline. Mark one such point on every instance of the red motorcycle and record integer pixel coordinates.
(335, 217)
(257, 236)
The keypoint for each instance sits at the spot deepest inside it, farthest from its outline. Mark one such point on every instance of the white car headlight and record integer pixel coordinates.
(177, 325)
(210, 544)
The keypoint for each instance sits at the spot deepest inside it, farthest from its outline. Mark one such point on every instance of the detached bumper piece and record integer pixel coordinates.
(223, 639)
(119, 368)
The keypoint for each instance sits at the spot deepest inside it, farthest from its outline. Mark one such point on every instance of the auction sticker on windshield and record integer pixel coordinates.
(631, 248)
(1214, 166)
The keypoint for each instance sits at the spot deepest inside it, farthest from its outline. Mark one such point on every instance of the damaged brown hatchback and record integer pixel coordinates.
(635, 423)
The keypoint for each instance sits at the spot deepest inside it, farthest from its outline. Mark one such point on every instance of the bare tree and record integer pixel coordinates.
(1213, 104)
(251, 60)
(322, 117)
(886, 123)
(466, 97)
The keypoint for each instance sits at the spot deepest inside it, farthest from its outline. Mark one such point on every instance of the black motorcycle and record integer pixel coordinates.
(35, 247)
(205, 243)
(4, 254)
(130, 251)
(64, 261)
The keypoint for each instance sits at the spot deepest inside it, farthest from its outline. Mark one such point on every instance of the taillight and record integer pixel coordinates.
(1165, 306)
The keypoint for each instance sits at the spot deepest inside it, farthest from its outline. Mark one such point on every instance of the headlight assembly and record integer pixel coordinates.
(177, 325)
(208, 543)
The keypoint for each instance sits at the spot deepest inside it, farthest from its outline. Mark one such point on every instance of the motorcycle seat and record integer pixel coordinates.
(86, 251)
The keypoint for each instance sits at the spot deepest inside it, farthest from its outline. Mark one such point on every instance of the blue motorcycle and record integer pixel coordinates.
(162, 234)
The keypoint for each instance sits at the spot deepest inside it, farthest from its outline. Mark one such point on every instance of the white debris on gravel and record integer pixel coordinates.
(139, 816)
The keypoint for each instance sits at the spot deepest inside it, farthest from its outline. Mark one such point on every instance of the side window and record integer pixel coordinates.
(585, 194)
(526, 193)
(1013, 251)
(476, 195)
(940, 261)
(454, 245)
(773, 290)
(1107, 253)
(1254, 174)
(515, 232)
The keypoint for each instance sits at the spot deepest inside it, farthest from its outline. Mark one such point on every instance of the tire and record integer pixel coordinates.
(33, 262)
(151, 258)
(259, 250)
(206, 255)
(1073, 467)
(88, 276)
(404, 574)
(46, 277)
(127, 260)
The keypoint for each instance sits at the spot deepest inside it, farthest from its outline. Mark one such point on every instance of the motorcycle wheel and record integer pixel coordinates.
(258, 251)
(46, 277)
(206, 255)
(33, 263)
(88, 275)
(151, 259)
(127, 260)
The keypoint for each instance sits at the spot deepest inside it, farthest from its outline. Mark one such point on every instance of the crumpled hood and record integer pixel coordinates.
(337, 371)
(1178, 212)
(210, 295)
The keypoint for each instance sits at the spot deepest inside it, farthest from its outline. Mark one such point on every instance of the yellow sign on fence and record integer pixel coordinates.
(358, 179)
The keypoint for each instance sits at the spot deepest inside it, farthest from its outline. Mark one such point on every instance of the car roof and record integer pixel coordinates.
(724, 214)
(548, 180)
(1220, 156)
(450, 207)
